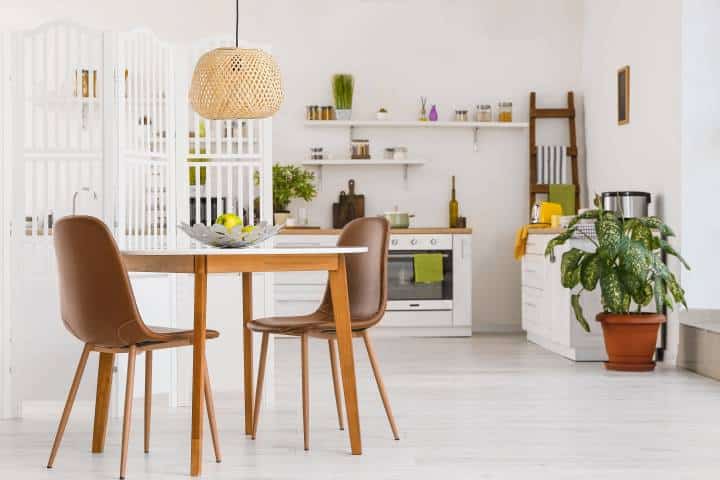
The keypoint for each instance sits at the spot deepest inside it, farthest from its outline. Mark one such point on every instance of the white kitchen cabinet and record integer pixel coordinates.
(297, 293)
(547, 316)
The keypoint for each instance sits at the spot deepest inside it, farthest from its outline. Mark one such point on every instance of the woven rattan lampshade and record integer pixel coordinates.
(231, 83)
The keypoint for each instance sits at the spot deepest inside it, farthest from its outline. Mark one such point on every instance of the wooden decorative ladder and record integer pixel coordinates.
(572, 152)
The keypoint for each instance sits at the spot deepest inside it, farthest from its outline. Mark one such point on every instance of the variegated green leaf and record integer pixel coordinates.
(644, 295)
(635, 260)
(590, 271)
(613, 296)
(657, 224)
(577, 309)
(570, 267)
(556, 242)
(667, 248)
(677, 291)
(642, 234)
(659, 290)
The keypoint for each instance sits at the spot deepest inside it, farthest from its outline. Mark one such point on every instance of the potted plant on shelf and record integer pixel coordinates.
(289, 182)
(627, 264)
(343, 85)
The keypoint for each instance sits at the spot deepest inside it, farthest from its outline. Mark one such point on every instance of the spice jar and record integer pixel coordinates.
(360, 149)
(326, 112)
(461, 115)
(316, 153)
(505, 112)
(483, 113)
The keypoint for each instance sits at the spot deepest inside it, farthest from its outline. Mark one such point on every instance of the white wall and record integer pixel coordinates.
(457, 53)
(701, 149)
(644, 154)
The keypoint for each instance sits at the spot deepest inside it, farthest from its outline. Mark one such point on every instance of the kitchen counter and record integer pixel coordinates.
(394, 231)
(546, 231)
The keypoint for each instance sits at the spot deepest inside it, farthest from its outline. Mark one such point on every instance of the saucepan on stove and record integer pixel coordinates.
(398, 219)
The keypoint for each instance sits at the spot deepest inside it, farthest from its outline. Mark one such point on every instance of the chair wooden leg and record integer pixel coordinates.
(305, 391)
(132, 353)
(336, 383)
(380, 384)
(260, 382)
(69, 403)
(148, 397)
(210, 405)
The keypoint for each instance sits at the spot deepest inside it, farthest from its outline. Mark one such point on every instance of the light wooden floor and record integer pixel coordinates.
(490, 407)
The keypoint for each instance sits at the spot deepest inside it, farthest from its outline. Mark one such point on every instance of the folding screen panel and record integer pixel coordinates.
(59, 95)
(224, 161)
(146, 129)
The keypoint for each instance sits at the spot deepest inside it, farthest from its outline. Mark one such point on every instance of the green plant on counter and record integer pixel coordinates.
(627, 263)
(342, 86)
(289, 182)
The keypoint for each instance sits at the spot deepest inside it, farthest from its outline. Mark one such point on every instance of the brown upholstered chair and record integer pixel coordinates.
(367, 289)
(98, 307)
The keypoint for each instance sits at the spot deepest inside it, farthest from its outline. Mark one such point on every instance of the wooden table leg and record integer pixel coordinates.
(343, 328)
(247, 351)
(198, 383)
(102, 401)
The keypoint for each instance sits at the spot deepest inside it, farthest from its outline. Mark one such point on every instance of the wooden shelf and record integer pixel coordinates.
(363, 163)
(411, 124)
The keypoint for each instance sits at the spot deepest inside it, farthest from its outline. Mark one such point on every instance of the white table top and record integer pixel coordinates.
(260, 250)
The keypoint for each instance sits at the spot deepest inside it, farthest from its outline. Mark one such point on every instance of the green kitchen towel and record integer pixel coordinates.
(564, 194)
(428, 267)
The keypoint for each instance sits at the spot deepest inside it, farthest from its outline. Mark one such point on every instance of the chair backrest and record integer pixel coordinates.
(366, 273)
(96, 299)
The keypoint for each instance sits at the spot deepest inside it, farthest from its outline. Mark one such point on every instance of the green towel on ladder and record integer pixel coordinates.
(428, 267)
(564, 194)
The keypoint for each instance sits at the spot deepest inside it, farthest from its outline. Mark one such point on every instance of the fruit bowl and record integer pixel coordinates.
(237, 237)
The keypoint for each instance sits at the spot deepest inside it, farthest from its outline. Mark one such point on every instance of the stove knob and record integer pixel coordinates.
(433, 241)
(394, 242)
(413, 241)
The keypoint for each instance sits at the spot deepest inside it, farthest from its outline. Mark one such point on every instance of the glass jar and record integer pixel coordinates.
(505, 112)
(360, 149)
(483, 113)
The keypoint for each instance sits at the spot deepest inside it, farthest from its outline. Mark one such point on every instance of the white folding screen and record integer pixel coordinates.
(146, 96)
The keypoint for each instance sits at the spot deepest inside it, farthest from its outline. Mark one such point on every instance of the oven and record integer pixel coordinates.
(404, 293)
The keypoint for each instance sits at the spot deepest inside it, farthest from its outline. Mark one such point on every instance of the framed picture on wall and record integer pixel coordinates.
(623, 95)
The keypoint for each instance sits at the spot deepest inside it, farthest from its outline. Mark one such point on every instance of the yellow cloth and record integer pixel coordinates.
(428, 267)
(521, 238)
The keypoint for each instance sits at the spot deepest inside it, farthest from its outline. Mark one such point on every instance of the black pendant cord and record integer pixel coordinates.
(237, 22)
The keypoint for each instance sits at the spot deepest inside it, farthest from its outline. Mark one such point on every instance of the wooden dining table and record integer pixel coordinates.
(203, 261)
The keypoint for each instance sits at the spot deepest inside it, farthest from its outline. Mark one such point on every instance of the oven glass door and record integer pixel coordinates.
(401, 277)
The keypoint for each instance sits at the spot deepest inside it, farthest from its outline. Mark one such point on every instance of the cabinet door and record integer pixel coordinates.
(462, 281)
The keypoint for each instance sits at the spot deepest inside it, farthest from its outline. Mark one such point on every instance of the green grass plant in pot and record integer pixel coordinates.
(627, 264)
(343, 85)
(290, 182)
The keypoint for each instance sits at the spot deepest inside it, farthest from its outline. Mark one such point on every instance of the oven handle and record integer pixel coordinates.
(410, 255)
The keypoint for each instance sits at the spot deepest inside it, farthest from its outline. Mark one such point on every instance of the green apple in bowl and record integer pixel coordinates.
(229, 221)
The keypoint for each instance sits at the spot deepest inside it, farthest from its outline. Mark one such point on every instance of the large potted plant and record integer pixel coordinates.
(289, 182)
(627, 263)
(343, 85)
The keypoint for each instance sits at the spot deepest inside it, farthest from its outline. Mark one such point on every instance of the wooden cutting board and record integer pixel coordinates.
(349, 206)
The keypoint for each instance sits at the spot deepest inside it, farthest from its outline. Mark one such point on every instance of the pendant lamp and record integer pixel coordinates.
(232, 83)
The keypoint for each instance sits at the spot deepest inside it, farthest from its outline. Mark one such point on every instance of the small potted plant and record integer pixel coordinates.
(289, 182)
(343, 85)
(381, 114)
(627, 264)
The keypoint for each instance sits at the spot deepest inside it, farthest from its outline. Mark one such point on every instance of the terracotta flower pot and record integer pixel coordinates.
(630, 340)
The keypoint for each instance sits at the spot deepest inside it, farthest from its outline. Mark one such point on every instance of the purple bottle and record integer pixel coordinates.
(433, 114)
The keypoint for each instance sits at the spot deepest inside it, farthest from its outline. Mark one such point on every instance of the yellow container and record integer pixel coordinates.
(547, 210)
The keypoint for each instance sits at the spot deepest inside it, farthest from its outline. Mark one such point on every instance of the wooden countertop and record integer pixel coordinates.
(545, 231)
(394, 231)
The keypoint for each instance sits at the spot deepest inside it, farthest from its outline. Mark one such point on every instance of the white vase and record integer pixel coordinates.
(281, 217)
(343, 113)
